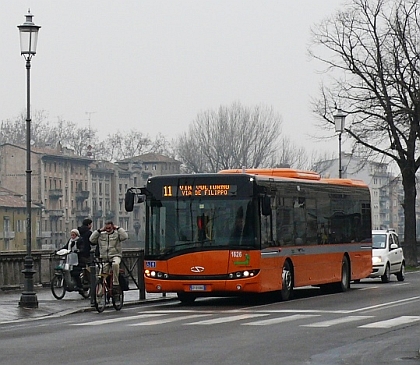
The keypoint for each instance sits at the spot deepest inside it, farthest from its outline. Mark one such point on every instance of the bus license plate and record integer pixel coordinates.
(197, 287)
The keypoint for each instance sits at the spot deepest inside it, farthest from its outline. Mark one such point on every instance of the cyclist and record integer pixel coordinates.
(109, 239)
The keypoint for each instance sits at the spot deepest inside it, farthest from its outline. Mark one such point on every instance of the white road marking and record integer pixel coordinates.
(265, 322)
(336, 321)
(114, 320)
(392, 322)
(227, 319)
(168, 320)
(387, 304)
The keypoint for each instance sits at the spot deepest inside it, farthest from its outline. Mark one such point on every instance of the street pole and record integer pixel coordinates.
(339, 120)
(339, 156)
(28, 40)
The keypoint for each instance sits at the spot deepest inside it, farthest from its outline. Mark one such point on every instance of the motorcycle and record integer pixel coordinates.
(62, 280)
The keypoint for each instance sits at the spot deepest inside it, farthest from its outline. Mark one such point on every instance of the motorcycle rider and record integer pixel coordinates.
(76, 245)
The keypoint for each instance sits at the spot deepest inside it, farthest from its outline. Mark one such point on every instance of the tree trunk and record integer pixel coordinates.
(410, 244)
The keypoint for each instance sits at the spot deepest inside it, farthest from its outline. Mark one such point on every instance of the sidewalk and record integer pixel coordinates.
(48, 306)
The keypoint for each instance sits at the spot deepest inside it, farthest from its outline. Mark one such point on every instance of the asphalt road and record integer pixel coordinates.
(373, 323)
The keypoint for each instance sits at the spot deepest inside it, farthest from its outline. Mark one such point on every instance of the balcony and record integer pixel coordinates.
(55, 193)
(44, 234)
(83, 212)
(82, 195)
(98, 214)
(110, 214)
(56, 213)
(8, 235)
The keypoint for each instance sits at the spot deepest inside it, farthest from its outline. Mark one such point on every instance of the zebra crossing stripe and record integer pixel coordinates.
(168, 320)
(227, 319)
(264, 322)
(392, 322)
(336, 321)
(114, 320)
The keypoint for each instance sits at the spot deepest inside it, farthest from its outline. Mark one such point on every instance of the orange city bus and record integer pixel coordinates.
(253, 231)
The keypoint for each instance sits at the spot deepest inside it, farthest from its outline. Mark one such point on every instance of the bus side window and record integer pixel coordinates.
(266, 219)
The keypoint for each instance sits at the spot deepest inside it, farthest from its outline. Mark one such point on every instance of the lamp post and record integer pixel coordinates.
(28, 40)
(339, 120)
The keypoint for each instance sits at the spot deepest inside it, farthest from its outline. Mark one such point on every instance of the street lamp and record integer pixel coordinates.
(28, 40)
(339, 120)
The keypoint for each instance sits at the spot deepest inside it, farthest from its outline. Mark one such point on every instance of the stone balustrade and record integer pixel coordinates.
(12, 264)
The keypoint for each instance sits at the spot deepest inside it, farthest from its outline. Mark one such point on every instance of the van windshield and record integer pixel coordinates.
(379, 240)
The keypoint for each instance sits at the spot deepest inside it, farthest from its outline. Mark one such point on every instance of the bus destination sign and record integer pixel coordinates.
(204, 190)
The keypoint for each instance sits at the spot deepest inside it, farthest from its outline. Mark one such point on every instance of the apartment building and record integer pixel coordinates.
(13, 221)
(67, 188)
(385, 189)
(134, 172)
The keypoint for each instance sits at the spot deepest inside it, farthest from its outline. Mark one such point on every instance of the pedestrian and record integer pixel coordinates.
(85, 231)
(109, 239)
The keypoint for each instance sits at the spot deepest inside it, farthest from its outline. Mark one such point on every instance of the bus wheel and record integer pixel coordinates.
(344, 284)
(186, 298)
(287, 282)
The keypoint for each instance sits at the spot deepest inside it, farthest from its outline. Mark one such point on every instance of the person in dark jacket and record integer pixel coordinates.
(75, 244)
(85, 231)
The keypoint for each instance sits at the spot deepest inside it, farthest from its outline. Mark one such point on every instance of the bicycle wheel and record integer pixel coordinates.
(118, 300)
(58, 286)
(100, 296)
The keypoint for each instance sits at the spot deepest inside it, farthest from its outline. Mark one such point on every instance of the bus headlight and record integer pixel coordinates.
(155, 274)
(243, 274)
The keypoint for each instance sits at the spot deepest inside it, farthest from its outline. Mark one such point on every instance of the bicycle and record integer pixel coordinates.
(63, 282)
(104, 291)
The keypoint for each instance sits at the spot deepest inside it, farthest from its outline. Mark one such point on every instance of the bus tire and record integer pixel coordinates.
(344, 283)
(287, 282)
(186, 298)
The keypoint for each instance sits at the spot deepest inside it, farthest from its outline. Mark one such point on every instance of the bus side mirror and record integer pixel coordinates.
(129, 201)
(266, 205)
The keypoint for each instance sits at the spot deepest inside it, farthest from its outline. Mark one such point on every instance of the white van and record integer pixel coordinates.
(387, 256)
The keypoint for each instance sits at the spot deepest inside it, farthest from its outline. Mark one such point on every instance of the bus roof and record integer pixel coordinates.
(289, 173)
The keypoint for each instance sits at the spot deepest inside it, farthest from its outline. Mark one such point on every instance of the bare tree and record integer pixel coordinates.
(46, 134)
(231, 137)
(373, 55)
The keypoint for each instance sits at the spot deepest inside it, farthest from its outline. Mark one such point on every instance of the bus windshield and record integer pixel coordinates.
(194, 224)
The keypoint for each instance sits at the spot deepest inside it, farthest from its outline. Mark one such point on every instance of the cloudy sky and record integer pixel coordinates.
(153, 65)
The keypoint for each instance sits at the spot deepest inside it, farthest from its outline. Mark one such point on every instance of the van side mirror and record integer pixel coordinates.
(393, 246)
(266, 205)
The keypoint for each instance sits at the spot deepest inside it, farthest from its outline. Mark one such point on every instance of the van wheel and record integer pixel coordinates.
(401, 273)
(386, 277)
(287, 282)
